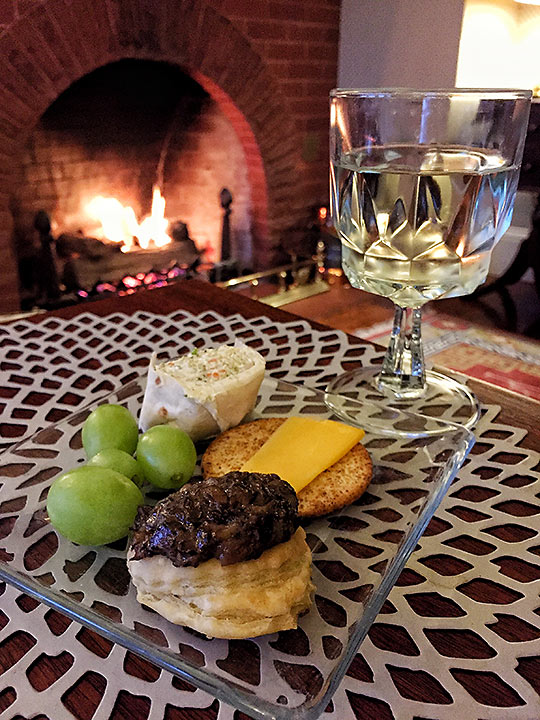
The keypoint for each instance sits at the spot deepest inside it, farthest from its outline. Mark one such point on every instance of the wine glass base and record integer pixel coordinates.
(444, 398)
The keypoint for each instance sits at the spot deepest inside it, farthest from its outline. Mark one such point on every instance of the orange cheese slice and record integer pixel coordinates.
(302, 447)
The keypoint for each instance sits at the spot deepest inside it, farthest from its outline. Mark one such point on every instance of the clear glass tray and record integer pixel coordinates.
(358, 554)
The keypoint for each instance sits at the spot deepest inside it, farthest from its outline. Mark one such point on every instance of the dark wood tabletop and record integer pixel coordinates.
(196, 296)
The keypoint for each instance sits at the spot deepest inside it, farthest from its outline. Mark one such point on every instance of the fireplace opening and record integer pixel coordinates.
(133, 172)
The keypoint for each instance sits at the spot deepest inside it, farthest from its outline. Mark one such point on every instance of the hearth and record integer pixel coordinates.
(139, 79)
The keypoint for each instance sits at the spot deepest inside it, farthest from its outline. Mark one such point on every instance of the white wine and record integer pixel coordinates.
(418, 223)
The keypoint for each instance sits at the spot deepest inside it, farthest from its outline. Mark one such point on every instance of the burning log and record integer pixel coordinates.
(84, 266)
(76, 245)
(71, 247)
(88, 261)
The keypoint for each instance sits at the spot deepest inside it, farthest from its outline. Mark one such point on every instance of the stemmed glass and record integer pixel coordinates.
(422, 188)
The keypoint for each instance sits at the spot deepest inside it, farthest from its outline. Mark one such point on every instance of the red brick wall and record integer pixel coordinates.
(270, 62)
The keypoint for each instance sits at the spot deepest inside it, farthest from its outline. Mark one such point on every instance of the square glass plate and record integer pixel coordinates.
(358, 554)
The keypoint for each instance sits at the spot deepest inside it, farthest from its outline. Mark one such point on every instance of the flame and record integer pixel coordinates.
(119, 222)
(154, 228)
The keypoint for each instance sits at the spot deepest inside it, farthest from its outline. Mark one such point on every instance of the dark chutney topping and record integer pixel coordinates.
(232, 518)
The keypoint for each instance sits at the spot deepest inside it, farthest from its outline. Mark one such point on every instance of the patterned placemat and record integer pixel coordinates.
(491, 514)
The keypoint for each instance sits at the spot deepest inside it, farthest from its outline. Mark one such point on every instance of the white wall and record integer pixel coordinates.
(500, 45)
(399, 43)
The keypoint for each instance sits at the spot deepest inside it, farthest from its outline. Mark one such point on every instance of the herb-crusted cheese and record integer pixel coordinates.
(198, 371)
(203, 392)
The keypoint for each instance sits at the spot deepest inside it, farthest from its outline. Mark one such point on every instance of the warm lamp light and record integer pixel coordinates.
(528, 2)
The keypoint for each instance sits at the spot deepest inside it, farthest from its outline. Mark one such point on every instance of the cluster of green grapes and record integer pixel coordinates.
(96, 503)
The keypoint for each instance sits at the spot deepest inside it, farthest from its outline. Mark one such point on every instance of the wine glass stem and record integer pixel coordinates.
(403, 373)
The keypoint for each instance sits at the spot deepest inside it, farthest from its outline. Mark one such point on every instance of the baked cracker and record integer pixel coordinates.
(336, 487)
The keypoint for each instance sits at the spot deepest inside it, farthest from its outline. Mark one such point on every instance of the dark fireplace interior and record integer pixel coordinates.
(117, 134)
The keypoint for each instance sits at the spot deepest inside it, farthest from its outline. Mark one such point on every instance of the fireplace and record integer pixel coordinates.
(194, 100)
(129, 163)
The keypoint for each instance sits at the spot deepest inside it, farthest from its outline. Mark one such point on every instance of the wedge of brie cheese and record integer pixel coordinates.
(204, 392)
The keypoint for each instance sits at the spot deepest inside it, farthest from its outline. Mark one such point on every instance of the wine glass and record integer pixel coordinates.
(422, 188)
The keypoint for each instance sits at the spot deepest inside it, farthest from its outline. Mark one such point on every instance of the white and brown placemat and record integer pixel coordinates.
(459, 635)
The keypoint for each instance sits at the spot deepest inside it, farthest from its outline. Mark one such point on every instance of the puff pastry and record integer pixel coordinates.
(241, 600)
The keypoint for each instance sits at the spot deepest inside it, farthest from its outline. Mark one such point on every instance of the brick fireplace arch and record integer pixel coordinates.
(46, 49)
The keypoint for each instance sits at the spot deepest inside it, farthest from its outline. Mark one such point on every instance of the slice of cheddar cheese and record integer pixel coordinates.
(302, 447)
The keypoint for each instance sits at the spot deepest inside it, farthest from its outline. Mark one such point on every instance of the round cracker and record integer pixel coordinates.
(337, 486)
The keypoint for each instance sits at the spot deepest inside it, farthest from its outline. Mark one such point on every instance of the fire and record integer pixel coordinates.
(119, 223)
(154, 228)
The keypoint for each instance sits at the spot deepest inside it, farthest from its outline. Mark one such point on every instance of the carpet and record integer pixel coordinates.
(502, 359)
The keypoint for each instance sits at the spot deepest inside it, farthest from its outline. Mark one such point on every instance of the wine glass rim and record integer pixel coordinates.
(487, 93)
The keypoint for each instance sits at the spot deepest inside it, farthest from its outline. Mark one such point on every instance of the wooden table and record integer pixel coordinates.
(196, 297)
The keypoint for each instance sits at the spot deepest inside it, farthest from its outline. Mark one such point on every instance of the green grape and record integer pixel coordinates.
(109, 426)
(120, 461)
(93, 505)
(167, 456)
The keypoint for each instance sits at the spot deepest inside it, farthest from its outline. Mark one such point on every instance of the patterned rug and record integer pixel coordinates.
(509, 361)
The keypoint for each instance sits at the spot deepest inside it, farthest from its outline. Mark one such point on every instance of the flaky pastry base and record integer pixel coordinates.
(242, 600)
